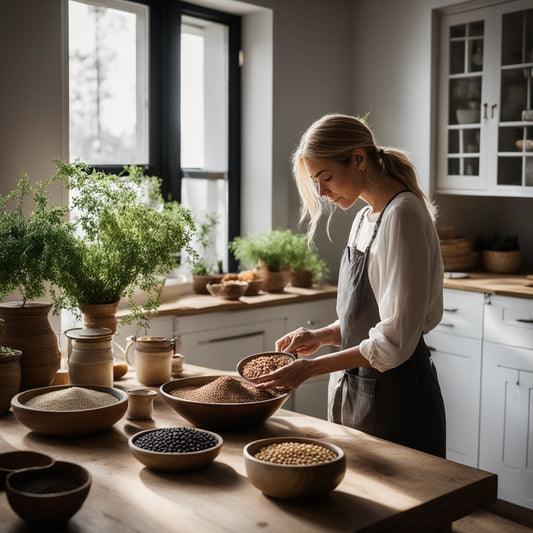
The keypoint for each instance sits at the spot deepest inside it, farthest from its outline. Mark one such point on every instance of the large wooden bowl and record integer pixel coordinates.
(224, 416)
(69, 423)
(293, 481)
(174, 461)
(54, 507)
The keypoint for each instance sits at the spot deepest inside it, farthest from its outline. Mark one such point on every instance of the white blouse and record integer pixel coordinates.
(405, 271)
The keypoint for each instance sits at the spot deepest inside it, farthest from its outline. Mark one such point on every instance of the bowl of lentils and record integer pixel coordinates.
(294, 467)
(221, 402)
(175, 448)
(258, 364)
(69, 410)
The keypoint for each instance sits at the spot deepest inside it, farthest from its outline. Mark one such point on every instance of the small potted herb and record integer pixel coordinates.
(500, 253)
(308, 267)
(270, 252)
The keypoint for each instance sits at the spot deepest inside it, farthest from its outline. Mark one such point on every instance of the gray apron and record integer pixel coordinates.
(403, 404)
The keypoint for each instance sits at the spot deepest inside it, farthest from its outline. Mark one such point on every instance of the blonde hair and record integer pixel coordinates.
(334, 137)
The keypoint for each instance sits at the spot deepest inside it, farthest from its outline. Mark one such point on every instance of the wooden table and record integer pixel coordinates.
(387, 487)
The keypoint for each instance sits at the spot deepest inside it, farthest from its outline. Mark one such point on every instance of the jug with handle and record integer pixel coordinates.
(90, 356)
(152, 358)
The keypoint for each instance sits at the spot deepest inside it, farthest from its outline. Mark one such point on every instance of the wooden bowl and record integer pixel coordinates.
(293, 481)
(49, 496)
(174, 461)
(69, 423)
(242, 363)
(21, 460)
(255, 286)
(224, 416)
(228, 290)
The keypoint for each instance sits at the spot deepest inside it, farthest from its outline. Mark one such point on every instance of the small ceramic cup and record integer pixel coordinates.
(140, 404)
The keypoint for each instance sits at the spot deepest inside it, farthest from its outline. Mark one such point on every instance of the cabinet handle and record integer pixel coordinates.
(492, 108)
(234, 337)
(432, 348)
(450, 309)
(447, 324)
(485, 107)
(525, 320)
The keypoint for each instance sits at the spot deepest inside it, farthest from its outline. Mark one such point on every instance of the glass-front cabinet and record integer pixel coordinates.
(485, 119)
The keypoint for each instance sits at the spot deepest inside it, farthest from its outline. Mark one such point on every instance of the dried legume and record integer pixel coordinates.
(295, 453)
(224, 389)
(71, 399)
(264, 364)
(176, 440)
(46, 485)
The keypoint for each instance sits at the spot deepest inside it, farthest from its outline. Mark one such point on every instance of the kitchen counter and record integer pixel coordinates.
(387, 487)
(493, 283)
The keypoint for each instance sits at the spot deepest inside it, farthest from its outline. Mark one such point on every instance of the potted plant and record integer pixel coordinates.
(270, 252)
(122, 245)
(500, 253)
(201, 268)
(308, 267)
(36, 243)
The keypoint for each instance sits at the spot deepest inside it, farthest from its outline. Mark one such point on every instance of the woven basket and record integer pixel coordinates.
(446, 232)
(505, 262)
(454, 247)
(459, 263)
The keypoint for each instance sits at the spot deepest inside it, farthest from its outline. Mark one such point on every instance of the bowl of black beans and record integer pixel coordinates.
(175, 448)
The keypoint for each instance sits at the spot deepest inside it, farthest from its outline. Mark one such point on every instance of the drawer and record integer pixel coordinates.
(462, 314)
(509, 321)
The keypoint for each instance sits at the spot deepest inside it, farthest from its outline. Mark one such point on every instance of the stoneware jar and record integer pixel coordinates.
(152, 358)
(10, 377)
(90, 356)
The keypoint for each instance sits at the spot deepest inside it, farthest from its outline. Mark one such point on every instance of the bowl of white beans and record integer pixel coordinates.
(69, 410)
(294, 467)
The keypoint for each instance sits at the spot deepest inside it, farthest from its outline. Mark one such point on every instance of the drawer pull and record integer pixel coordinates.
(446, 324)
(432, 348)
(525, 320)
(451, 309)
(233, 338)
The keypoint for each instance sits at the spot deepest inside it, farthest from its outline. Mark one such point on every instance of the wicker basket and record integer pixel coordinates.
(458, 263)
(446, 232)
(454, 247)
(504, 262)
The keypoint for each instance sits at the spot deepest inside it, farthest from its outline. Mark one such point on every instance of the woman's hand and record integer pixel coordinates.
(301, 341)
(289, 377)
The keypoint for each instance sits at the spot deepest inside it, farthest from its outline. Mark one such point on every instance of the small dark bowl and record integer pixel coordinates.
(223, 416)
(248, 358)
(229, 290)
(254, 287)
(52, 506)
(21, 460)
(174, 461)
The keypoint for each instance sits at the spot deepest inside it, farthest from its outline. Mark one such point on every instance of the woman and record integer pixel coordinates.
(389, 289)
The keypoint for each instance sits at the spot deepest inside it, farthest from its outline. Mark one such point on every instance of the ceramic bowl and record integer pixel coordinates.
(174, 461)
(49, 496)
(293, 481)
(69, 423)
(228, 290)
(224, 416)
(242, 363)
(255, 286)
(21, 460)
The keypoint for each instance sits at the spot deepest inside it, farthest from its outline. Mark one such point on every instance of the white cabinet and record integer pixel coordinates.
(455, 346)
(506, 430)
(485, 89)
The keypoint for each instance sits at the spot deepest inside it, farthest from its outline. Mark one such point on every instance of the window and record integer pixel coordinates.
(157, 83)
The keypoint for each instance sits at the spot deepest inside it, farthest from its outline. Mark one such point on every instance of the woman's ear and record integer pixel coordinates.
(359, 159)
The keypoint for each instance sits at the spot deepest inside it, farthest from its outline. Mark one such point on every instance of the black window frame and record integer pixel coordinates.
(164, 148)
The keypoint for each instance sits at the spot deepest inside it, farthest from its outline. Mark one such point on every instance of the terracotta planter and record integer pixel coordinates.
(10, 376)
(26, 328)
(302, 278)
(199, 283)
(97, 316)
(504, 262)
(275, 281)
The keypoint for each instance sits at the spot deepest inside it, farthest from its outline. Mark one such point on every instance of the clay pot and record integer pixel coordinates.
(10, 375)
(302, 278)
(275, 281)
(199, 283)
(26, 328)
(97, 316)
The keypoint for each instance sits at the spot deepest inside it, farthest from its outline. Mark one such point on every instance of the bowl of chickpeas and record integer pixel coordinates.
(294, 467)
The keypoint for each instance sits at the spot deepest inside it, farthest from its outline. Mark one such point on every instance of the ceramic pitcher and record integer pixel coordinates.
(152, 358)
(90, 356)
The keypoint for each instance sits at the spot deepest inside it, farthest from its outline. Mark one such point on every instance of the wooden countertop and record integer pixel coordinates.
(492, 283)
(194, 304)
(387, 487)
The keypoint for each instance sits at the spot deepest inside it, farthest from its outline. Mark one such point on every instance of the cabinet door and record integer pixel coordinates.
(506, 431)
(458, 364)
(311, 398)
(223, 348)
(462, 314)
(464, 82)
